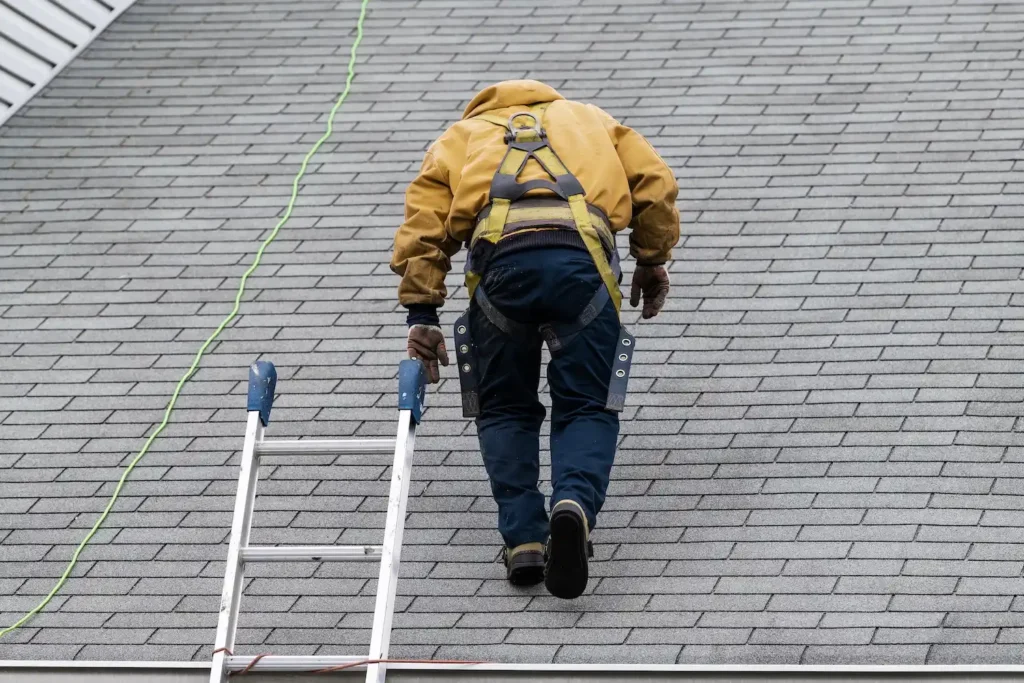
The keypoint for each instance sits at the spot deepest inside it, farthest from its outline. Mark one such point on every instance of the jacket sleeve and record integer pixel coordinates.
(653, 189)
(423, 248)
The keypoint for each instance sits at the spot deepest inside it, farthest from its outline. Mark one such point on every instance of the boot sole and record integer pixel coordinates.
(566, 576)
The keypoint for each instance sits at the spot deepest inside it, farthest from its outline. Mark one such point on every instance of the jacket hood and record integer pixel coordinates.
(510, 94)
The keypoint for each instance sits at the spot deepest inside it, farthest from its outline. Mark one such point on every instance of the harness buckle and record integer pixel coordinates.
(550, 337)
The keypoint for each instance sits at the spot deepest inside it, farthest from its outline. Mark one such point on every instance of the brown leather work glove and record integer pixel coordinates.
(653, 282)
(426, 342)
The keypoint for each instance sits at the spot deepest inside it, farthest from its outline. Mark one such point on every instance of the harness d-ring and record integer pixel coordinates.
(514, 131)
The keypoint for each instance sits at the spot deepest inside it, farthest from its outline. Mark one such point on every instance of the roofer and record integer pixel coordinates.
(542, 266)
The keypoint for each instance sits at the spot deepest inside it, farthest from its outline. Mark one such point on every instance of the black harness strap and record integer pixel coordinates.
(504, 187)
(556, 335)
(560, 335)
(499, 319)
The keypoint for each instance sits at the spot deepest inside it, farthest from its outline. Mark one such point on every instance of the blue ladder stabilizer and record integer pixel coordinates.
(262, 381)
(412, 387)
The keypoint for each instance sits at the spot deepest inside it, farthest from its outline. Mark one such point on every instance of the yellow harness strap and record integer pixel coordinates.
(593, 243)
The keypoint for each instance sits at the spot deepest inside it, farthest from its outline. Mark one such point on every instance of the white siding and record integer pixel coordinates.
(38, 38)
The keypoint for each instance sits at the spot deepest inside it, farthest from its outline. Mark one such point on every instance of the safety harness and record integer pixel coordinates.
(509, 213)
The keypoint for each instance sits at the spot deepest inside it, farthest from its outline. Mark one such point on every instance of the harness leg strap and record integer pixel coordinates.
(617, 386)
(499, 319)
(465, 355)
(559, 335)
(465, 351)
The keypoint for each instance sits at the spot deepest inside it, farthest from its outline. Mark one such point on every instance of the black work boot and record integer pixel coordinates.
(524, 564)
(568, 549)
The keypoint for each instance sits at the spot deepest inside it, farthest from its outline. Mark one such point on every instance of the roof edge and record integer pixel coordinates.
(198, 672)
(41, 39)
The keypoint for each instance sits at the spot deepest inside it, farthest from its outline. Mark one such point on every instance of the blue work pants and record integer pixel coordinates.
(536, 286)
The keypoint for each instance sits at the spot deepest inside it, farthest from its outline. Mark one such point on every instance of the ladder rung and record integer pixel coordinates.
(288, 663)
(327, 553)
(324, 446)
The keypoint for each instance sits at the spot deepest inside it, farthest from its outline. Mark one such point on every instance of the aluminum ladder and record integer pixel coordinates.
(262, 382)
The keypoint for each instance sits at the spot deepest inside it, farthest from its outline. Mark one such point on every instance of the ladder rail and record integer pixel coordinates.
(241, 527)
(387, 583)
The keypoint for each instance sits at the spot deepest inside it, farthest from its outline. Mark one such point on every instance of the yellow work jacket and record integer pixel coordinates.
(621, 173)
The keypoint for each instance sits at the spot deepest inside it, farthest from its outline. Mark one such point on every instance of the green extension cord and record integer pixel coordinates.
(220, 328)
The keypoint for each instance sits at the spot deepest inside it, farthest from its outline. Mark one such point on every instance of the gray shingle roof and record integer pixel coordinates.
(821, 455)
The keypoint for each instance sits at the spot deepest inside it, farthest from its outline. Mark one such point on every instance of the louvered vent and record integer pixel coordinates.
(39, 37)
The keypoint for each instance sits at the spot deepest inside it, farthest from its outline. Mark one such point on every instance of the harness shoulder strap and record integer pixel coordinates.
(524, 144)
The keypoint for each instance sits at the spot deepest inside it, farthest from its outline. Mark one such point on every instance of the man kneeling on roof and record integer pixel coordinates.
(542, 267)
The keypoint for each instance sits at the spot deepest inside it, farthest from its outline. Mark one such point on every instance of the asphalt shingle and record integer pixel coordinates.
(820, 461)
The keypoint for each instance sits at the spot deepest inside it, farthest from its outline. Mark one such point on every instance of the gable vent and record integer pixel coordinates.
(38, 38)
